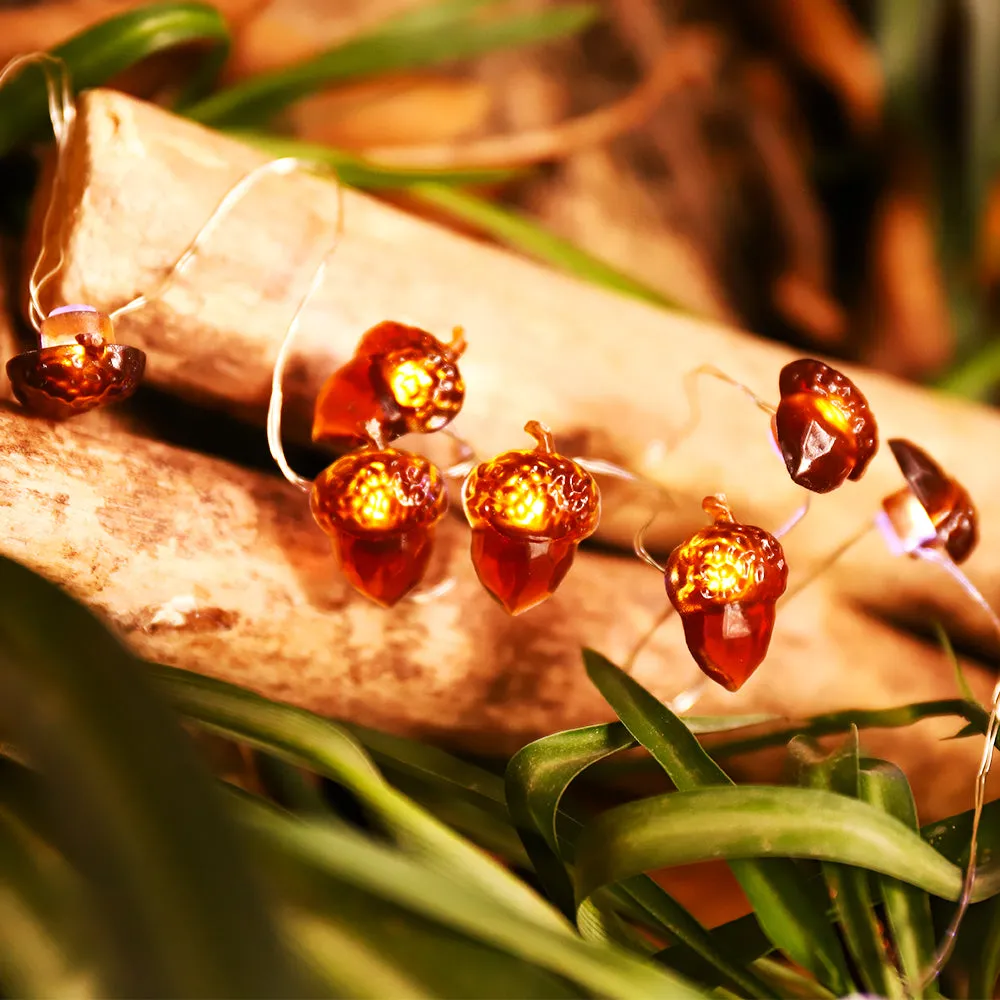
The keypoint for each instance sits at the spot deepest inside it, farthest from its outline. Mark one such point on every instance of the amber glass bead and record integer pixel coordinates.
(824, 428)
(933, 510)
(380, 508)
(400, 377)
(77, 367)
(724, 582)
(529, 510)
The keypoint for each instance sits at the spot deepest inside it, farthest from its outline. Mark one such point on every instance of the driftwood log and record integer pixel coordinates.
(207, 565)
(143, 531)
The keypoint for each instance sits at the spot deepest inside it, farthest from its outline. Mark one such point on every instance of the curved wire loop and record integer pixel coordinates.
(947, 944)
(280, 168)
(275, 404)
(62, 114)
(694, 401)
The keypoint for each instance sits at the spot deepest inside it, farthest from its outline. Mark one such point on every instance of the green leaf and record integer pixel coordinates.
(829, 723)
(96, 55)
(686, 827)
(130, 806)
(528, 237)
(351, 965)
(741, 940)
(788, 908)
(44, 950)
(849, 887)
(965, 689)
(537, 778)
(431, 35)
(883, 785)
(905, 43)
(340, 855)
(310, 741)
(355, 171)
(950, 837)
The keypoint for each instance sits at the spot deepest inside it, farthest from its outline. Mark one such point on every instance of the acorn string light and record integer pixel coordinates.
(379, 506)
(402, 377)
(724, 581)
(933, 518)
(528, 510)
(78, 365)
(825, 433)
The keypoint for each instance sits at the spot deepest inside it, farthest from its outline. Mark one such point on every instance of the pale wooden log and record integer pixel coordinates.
(209, 566)
(604, 371)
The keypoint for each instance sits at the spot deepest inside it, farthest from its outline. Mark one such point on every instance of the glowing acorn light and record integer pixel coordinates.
(724, 581)
(380, 508)
(823, 426)
(529, 510)
(400, 377)
(933, 511)
(77, 366)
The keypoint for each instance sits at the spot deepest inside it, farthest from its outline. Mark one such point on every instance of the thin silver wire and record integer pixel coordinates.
(694, 400)
(62, 114)
(280, 167)
(276, 401)
(947, 944)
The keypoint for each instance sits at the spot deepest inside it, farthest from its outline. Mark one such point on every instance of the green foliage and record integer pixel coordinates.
(100, 53)
(125, 869)
(426, 36)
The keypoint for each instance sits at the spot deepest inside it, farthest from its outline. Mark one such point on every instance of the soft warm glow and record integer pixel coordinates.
(523, 502)
(833, 411)
(411, 384)
(724, 572)
(372, 498)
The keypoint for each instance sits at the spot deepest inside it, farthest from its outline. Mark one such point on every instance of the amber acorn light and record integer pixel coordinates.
(401, 377)
(724, 582)
(529, 510)
(932, 510)
(77, 366)
(823, 425)
(380, 508)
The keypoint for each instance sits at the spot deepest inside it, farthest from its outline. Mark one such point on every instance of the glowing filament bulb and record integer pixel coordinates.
(380, 508)
(529, 510)
(823, 426)
(77, 366)
(400, 377)
(724, 582)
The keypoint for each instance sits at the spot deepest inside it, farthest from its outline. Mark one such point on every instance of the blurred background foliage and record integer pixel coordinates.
(821, 173)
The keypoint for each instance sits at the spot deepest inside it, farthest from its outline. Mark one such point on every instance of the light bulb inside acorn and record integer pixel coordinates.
(380, 508)
(724, 581)
(77, 365)
(823, 426)
(932, 510)
(401, 377)
(529, 510)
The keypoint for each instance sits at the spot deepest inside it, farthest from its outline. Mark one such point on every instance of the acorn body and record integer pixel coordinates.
(528, 510)
(380, 508)
(724, 582)
(932, 510)
(77, 367)
(824, 427)
(401, 378)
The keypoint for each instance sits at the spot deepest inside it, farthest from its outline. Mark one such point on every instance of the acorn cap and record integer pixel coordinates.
(945, 500)
(378, 492)
(533, 494)
(61, 382)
